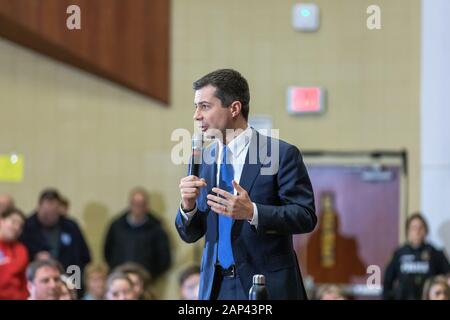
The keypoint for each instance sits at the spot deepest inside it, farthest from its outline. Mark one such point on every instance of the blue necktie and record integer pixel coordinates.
(225, 251)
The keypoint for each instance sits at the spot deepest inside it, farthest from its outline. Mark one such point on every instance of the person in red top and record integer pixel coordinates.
(13, 256)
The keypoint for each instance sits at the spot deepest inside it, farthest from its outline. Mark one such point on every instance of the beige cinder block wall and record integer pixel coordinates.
(95, 140)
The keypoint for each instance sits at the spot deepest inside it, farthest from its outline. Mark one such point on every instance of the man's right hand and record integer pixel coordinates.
(190, 189)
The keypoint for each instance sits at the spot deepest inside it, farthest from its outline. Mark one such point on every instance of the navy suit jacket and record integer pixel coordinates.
(285, 203)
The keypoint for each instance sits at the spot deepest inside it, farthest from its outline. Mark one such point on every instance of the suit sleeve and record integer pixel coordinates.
(191, 231)
(296, 214)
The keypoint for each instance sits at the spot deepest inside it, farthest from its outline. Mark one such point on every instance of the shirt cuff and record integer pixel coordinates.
(188, 215)
(254, 221)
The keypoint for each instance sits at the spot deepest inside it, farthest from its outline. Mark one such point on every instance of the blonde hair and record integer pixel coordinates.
(440, 279)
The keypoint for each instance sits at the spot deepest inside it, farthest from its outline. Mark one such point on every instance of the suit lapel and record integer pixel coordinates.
(252, 166)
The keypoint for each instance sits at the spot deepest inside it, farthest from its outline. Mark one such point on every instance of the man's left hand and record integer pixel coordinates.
(238, 207)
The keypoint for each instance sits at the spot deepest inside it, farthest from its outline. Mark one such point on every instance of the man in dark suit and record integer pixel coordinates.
(247, 202)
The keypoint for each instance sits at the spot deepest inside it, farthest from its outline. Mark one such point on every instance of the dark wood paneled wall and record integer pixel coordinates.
(124, 41)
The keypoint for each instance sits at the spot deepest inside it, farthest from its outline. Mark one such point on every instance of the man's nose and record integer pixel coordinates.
(197, 114)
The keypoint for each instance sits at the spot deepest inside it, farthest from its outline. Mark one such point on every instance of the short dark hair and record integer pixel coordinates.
(230, 86)
(49, 194)
(186, 273)
(416, 215)
(11, 211)
(37, 264)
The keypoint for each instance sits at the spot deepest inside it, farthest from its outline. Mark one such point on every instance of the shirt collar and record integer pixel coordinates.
(238, 144)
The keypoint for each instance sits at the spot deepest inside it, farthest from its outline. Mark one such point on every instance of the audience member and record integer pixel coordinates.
(13, 256)
(6, 201)
(119, 287)
(436, 288)
(95, 281)
(140, 279)
(44, 280)
(189, 282)
(330, 292)
(138, 236)
(68, 291)
(413, 263)
(47, 234)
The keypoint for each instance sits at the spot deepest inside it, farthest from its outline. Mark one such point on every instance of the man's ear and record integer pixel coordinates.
(236, 108)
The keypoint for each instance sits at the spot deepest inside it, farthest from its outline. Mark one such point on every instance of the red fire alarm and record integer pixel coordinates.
(305, 100)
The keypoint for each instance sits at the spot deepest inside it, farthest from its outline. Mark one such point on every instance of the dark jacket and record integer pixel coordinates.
(406, 273)
(73, 249)
(147, 244)
(285, 203)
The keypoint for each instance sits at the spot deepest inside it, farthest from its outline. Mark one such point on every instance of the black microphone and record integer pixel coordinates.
(196, 158)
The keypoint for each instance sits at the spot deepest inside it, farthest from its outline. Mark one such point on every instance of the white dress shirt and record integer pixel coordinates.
(238, 149)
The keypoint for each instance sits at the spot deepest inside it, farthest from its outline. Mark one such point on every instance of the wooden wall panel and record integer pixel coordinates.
(124, 41)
